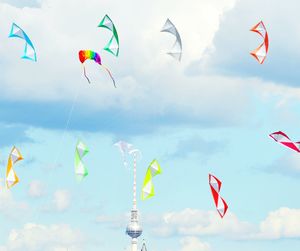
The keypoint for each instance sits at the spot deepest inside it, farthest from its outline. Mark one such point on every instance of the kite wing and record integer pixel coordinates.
(215, 186)
(155, 168)
(113, 44)
(176, 50)
(29, 51)
(124, 148)
(148, 188)
(92, 55)
(260, 53)
(11, 177)
(283, 139)
(80, 169)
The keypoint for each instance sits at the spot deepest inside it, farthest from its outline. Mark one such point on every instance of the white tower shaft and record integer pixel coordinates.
(134, 180)
(133, 229)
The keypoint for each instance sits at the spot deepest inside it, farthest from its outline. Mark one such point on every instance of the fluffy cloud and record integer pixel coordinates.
(288, 164)
(282, 223)
(36, 189)
(193, 244)
(145, 76)
(279, 224)
(35, 237)
(234, 41)
(9, 206)
(61, 200)
(197, 222)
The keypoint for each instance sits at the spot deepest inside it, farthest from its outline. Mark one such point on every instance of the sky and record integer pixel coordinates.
(210, 113)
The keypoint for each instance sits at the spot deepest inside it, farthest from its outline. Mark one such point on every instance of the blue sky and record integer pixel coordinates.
(210, 113)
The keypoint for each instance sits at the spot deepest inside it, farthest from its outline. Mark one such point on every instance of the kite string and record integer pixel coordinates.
(67, 124)
(62, 139)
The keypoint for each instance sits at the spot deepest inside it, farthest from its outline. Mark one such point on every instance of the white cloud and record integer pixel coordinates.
(9, 206)
(191, 243)
(282, 223)
(145, 75)
(34, 237)
(287, 164)
(198, 222)
(36, 189)
(61, 200)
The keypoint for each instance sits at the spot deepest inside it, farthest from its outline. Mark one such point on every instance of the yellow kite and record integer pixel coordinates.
(11, 177)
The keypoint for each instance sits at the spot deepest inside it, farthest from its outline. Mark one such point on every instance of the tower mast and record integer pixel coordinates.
(133, 229)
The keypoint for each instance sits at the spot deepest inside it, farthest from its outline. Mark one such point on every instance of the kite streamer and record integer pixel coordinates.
(148, 188)
(260, 53)
(215, 186)
(92, 55)
(80, 169)
(176, 50)
(29, 51)
(11, 177)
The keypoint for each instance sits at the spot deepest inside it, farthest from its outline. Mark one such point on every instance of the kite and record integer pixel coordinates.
(176, 50)
(148, 188)
(88, 54)
(260, 53)
(215, 186)
(80, 169)
(283, 139)
(113, 44)
(11, 177)
(29, 51)
(125, 148)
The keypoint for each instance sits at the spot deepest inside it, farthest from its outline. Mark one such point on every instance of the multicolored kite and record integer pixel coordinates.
(29, 51)
(11, 177)
(177, 47)
(113, 44)
(260, 53)
(80, 169)
(283, 139)
(215, 186)
(88, 54)
(148, 188)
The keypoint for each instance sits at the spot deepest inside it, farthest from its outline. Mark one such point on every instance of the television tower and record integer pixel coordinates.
(134, 230)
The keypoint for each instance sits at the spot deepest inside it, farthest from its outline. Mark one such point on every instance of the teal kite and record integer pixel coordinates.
(29, 51)
(113, 44)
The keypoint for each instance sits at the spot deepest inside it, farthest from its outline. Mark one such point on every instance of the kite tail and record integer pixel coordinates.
(109, 75)
(84, 72)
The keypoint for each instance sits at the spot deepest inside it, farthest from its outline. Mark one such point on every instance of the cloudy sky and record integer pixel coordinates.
(210, 113)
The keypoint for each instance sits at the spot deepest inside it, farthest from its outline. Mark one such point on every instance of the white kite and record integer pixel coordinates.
(176, 50)
(125, 148)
